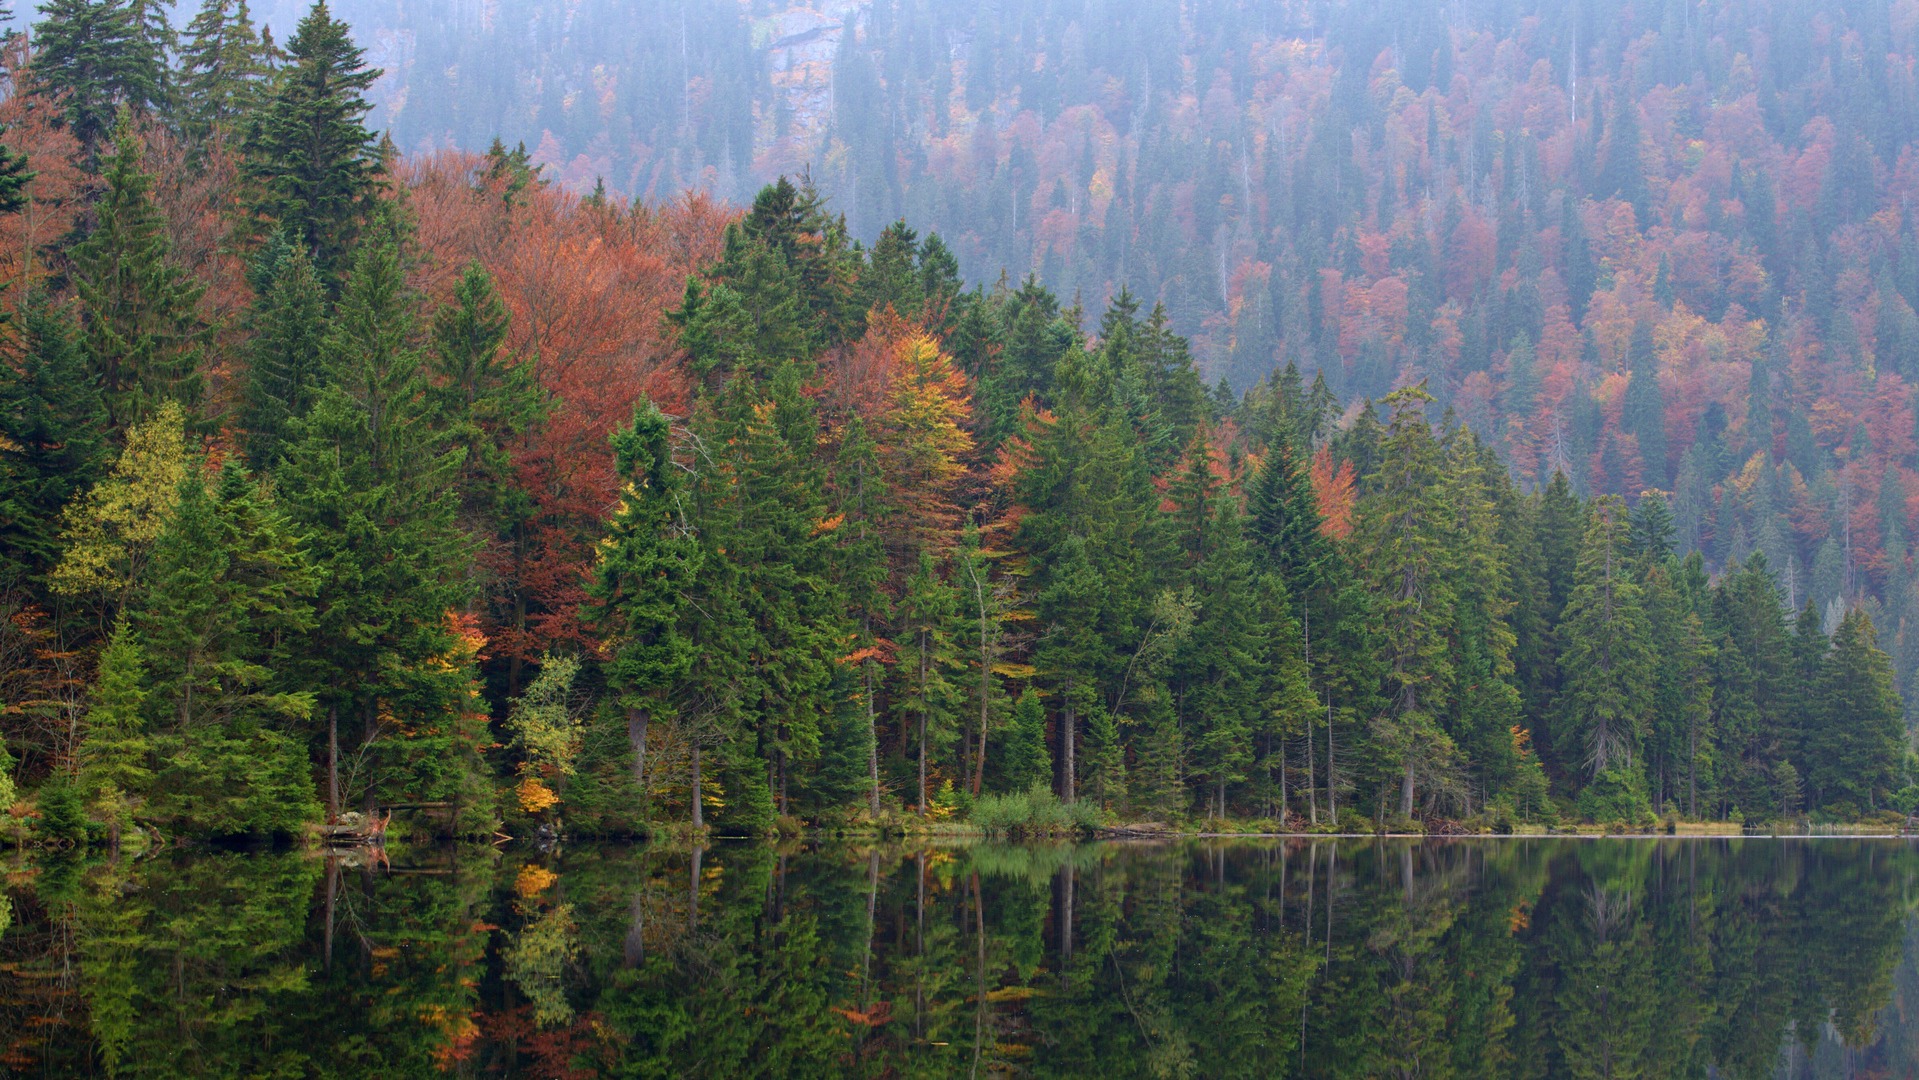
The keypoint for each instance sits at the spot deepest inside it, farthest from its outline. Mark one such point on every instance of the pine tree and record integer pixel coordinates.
(1405, 549)
(646, 565)
(284, 369)
(113, 755)
(140, 318)
(101, 54)
(224, 66)
(371, 482)
(485, 398)
(1643, 414)
(1222, 682)
(1652, 527)
(1608, 664)
(223, 602)
(928, 700)
(15, 176)
(1857, 748)
(52, 441)
(315, 166)
(1023, 761)
(219, 621)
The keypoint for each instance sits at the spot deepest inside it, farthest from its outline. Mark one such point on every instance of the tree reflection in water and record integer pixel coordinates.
(1530, 958)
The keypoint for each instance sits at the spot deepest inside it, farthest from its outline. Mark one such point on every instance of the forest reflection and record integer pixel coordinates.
(1531, 958)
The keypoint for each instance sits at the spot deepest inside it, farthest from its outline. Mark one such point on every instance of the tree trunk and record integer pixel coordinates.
(1332, 788)
(1406, 792)
(1312, 780)
(332, 764)
(923, 706)
(872, 743)
(1066, 742)
(633, 952)
(699, 813)
(636, 724)
(985, 677)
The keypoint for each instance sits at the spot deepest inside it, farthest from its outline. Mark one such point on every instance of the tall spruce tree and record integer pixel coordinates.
(1859, 743)
(140, 319)
(1406, 549)
(1607, 660)
(52, 441)
(371, 481)
(314, 165)
(285, 362)
(647, 563)
(100, 55)
(224, 65)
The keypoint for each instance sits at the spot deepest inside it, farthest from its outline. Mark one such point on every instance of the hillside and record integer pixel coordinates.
(1646, 244)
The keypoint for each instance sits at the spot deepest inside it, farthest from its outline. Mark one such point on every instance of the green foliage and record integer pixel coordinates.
(99, 55)
(1023, 759)
(52, 444)
(224, 65)
(140, 320)
(285, 361)
(1035, 811)
(314, 164)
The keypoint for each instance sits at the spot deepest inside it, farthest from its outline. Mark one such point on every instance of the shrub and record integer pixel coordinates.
(1033, 812)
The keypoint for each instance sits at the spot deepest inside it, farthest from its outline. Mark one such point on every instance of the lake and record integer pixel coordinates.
(1497, 957)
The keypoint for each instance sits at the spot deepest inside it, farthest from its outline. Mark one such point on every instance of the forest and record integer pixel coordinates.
(336, 478)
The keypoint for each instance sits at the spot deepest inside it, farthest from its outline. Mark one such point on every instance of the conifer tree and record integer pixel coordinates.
(285, 356)
(52, 440)
(1223, 683)
(314, 164)
(1857, 747)
(102, 55)
(1023, 761)
(928, 700)
(1607, 662)
(1643, 414)
(371, 482)
(140, 320)
(114, 763)
(646, 565)
(1405, 549)
(485, 398)
(224, 65)
(223, 605)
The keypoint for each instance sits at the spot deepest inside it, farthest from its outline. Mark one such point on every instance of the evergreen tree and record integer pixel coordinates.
(928, 614)
(224, 65)
(1407, 554)
(1643, 414)
(314, 165)
(646, 565)
(140, 318)
(485, 398)
(101, 55)
(1860, 741)
(1023, 761)
(285, 361)
(52, 441)
(371, 482)
(114, 755)
(1607, 659)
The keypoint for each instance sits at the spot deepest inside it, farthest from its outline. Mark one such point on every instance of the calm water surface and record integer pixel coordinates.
(1535, 958)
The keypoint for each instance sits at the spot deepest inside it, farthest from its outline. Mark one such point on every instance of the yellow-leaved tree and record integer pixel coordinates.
(108, 532)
